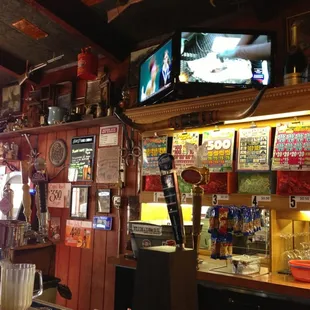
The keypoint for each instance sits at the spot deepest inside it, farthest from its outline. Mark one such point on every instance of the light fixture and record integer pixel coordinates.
(268, 117)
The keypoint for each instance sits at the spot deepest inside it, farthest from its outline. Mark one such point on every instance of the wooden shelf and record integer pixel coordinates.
(34, 246)
(276, 100)
(277, 202)
(102, 121)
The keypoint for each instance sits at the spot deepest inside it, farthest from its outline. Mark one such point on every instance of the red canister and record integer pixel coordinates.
(87, 68)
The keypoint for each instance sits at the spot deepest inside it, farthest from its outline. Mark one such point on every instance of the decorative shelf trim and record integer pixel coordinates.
(102, 121)
(284, 99)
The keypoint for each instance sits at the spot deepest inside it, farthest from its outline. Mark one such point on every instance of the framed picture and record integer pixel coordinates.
(11, 100)
(135, 59)
(103, 200)
(82, 158)
(79, 202)
(303, 21)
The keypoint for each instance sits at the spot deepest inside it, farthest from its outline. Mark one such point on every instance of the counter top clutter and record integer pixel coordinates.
(269, 283)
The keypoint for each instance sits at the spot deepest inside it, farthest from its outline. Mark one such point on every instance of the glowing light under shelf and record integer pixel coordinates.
(268, 117)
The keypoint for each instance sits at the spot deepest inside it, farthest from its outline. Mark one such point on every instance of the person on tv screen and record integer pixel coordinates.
(249, 47)
(165, 74)
(253, 48)
(151, 87)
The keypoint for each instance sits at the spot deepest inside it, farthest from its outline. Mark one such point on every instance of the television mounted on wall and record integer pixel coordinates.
(201, 62)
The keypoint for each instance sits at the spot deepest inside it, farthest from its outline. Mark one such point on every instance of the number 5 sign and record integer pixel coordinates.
(59, 195)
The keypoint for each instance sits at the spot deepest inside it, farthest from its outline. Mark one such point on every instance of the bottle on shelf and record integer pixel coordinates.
(296, 61)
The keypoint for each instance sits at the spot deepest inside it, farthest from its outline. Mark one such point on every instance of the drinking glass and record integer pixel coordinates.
(17, 282)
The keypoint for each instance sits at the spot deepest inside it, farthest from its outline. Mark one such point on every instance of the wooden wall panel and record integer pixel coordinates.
(86, 271)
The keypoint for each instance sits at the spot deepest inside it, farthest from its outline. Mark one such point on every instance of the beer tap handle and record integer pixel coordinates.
(26, 194)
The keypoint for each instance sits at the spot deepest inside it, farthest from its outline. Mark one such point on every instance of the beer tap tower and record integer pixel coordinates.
(167, 271)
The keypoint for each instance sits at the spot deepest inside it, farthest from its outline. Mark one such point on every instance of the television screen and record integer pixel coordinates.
(226, 58)
(156, 72)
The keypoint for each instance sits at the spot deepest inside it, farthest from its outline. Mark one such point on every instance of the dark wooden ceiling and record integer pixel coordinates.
(72, 24)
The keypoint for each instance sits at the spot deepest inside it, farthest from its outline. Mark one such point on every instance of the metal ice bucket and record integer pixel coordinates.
(12, 233)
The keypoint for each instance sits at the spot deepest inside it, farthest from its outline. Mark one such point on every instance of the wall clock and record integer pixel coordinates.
(58, 152)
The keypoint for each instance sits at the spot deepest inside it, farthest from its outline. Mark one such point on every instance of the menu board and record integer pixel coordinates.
(153, 147)
(218, 150)
(82, 156)
(292, 147)
(253, 149)
(183, 149)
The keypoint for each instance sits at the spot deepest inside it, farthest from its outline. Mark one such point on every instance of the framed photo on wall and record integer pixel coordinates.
(303, 21)
(103, 201)
(11, 100)
(79, 202)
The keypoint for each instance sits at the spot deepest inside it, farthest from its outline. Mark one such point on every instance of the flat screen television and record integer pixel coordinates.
(155, 76)
(202, 62)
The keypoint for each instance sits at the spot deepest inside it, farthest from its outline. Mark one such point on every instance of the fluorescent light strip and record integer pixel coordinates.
(268, 117)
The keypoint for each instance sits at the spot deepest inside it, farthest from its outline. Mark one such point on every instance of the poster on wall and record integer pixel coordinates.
(108, 165)
(78, 234)
(254, 148)
(109, 135)
(11, 100)
(54, 228)
(82, 158)
(153, 147)
(184, 146)
(59, 195)
(292, 147)
(218, 150)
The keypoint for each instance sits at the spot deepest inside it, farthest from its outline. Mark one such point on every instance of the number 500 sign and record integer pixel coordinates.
(218, 144)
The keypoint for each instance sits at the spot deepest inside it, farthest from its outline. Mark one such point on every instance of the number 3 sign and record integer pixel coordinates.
(59, 195)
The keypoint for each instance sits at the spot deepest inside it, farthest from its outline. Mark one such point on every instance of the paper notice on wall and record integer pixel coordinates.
(108, 161)
(109, 135)
(54, 229)
(218, 150)
(59, 195)
(153, 147)
(183, 149)
(292, 147)
(78, 234)
(253, 149)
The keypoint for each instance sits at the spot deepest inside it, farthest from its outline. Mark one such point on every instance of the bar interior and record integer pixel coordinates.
(154, 163)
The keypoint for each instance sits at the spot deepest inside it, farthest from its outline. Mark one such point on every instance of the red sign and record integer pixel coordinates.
(292, 147)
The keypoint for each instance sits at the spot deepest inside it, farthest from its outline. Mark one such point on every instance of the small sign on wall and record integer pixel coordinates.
(102, 222)
(78, 234)
(109, 136)
(59, 195)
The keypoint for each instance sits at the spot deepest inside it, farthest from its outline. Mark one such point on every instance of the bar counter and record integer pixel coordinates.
(270, 283)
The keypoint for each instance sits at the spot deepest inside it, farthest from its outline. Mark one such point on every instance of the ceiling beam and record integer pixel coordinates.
(79, 19)
(16, 67)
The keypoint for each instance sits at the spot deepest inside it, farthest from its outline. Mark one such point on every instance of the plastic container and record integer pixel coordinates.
(300, 270)
(245, 264)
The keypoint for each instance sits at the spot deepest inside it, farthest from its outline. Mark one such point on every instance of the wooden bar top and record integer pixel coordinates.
(269, 283)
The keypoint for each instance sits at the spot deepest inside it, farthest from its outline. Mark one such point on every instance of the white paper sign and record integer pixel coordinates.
(108, 165)
(185, 196)
(59, 195)
(109, 135)
(293, 200)
(217, 197)
(158, 195)
(140, 229)
(260, 198)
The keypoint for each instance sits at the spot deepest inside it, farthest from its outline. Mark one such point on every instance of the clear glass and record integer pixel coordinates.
(17, 282)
